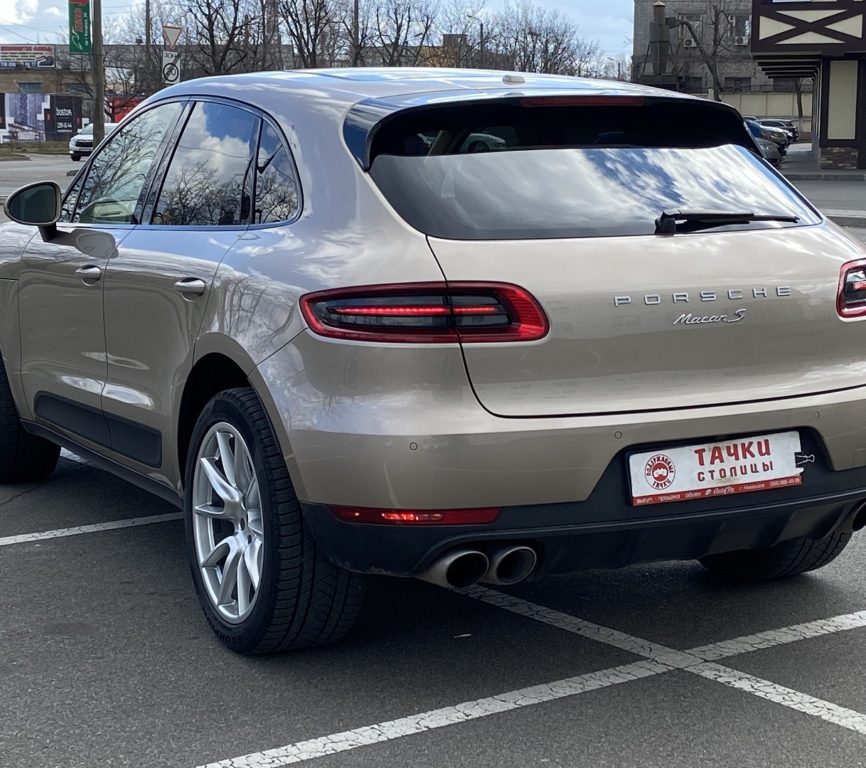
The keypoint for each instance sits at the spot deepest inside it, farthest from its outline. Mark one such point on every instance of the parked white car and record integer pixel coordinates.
(81, 144)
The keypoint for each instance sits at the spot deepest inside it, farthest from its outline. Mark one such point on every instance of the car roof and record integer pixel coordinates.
(352, 85)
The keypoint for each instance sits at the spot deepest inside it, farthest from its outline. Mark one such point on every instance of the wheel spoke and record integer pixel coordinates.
(209, 510)
(230, 573)
(254, 524)
(227, 457)
(252, 497)
(219, 483)
(243, 581)
(212, 559)
(251, 561)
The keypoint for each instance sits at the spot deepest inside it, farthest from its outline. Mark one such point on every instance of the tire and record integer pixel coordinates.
(789, 558)
(302, 599)
(24, 458)
(75, 158)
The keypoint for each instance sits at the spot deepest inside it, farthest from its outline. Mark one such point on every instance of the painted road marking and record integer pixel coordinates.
(659, 660)
(774, 637)
(60, 533)
(441, 718)
(787, 697)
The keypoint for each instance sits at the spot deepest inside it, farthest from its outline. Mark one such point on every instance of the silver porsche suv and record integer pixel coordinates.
(464, 326)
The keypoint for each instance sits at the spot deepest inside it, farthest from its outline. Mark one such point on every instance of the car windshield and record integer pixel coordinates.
(87, 130)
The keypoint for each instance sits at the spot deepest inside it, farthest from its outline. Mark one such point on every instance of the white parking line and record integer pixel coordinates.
(659, 659)
(59, 533)
(787, 697)
(441, 718)
(71, 456)
(774, 637)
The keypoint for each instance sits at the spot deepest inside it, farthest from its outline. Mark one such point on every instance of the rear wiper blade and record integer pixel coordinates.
(671, 222)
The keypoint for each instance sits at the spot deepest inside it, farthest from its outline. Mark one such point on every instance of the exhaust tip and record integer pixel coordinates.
(457, 569)
(466, 569)
(509, 566)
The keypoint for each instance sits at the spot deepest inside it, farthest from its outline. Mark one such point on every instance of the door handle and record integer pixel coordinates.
(191, 286)
(89, 274)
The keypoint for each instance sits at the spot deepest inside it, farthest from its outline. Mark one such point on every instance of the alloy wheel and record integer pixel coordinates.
(228, 528)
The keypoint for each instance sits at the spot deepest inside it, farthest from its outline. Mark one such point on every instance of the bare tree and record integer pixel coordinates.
(536, 38)
(402, 30)
(223, 35)
(312, 26)
(712, 31)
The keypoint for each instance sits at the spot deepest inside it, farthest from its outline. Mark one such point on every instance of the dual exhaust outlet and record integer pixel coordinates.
(462, 568)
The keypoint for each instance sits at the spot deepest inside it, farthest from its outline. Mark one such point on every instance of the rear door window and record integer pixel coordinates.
(209, 177)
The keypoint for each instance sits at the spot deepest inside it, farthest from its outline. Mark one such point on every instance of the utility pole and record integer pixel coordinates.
(148, 48)
(97, 67)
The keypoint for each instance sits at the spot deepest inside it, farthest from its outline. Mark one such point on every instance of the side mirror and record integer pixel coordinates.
(39, 205)
(36, 204)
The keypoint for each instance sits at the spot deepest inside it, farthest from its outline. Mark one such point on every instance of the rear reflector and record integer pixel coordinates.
(851, 298)
(416, 516)
(426, 313)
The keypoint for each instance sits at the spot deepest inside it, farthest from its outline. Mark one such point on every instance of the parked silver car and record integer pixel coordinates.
(302, 307)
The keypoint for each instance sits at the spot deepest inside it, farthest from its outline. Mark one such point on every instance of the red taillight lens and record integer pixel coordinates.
(851, 298)
(416, 516)
(431, 313)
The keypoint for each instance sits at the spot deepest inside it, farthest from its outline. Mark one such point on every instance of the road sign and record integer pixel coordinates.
(171, 67)
(171, 33)
(79, 26)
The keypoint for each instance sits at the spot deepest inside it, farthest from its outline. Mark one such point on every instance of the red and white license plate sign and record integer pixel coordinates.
(715, 469)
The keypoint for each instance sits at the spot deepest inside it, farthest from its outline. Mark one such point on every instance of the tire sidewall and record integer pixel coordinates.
(245, 635)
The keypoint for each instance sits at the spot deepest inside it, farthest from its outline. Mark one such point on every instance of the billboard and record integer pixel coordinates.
(40, 116)
(13, 55)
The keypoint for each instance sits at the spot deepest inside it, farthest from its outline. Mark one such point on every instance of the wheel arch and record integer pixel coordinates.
(216, 369)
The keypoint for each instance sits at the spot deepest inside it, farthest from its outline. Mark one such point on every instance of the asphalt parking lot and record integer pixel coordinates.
(107, 660)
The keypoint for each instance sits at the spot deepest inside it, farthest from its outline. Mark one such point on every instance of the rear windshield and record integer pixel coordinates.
(524, 173)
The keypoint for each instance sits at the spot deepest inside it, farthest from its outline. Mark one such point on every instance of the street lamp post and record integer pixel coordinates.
(480, 39)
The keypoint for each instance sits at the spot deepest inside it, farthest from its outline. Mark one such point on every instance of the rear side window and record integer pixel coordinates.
(277, 189)
(209, 178)
(524, 172)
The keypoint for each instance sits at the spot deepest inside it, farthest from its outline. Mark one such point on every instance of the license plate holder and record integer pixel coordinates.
(708, 469)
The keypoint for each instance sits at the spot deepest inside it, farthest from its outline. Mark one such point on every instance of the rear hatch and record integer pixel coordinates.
(564, 199)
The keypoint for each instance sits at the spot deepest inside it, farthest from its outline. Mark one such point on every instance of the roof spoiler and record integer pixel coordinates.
(366, 118)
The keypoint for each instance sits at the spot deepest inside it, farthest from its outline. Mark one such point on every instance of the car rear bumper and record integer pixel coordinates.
(604, 531)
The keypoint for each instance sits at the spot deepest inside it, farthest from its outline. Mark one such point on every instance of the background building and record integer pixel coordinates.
(708, 52)
(827, 41)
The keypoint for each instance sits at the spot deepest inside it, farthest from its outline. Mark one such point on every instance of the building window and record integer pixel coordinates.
(29, 87)
(692, 84)
(741, 25)
(738, 83)
(697, 22)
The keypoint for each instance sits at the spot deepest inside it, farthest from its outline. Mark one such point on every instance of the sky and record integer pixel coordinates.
(28, 21)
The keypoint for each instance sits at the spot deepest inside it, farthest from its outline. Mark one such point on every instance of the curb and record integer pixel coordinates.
(823, 176)
(847, 218)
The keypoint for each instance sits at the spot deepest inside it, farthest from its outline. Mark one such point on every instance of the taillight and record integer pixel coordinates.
(432, 313)
(380, 516)
(851, 298)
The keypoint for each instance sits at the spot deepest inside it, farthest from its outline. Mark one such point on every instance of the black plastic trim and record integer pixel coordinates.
(98, 460)
(124, 436)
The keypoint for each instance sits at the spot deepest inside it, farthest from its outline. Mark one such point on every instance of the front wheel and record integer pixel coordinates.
(262, 582)
(786, 559)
